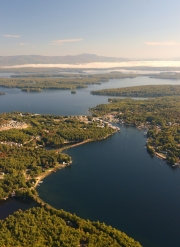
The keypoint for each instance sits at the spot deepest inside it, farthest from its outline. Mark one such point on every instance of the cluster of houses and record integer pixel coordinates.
(103, 123)
(12, 124)
(2, 175)
(12, 144)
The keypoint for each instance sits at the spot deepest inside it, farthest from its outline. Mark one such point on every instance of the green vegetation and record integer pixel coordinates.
(45, 226)
(72, 82)
(141, 91)
(23, 158)
(23, 138)
(165, 75)
(22, 164)
(45, 75)
(160, 115)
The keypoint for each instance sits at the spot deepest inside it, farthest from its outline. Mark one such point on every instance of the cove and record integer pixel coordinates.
(11, 205)
(117, 182)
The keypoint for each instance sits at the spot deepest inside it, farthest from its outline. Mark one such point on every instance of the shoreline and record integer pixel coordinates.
(74, 145)
(161, 156)
(158, 155)
(36, 198)
(57, 167)
(61, 166)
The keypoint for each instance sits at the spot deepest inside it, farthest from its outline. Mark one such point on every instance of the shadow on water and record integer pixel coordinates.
(11, 205)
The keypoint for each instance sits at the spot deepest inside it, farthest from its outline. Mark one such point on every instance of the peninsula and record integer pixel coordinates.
(141, 91)
(160, 117)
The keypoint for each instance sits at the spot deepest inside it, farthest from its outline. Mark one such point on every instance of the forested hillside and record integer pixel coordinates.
(160, 115)
(40, 227)
(23, 138)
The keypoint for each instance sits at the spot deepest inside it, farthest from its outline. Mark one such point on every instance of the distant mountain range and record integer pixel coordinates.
(37, 59)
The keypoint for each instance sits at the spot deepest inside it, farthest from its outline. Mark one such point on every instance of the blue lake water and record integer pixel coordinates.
(115, 180)
(62, 102)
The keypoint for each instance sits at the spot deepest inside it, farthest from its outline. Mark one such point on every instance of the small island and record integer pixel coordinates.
(31, 90)
(37, 82)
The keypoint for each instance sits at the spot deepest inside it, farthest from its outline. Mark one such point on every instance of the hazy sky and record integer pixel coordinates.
(121, 28)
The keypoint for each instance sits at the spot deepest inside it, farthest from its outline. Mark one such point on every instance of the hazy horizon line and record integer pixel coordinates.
(93, 54)
(102, 65)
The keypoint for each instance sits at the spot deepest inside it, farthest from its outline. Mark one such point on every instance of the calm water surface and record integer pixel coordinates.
(114, 180)
(10, 206)
(62, 102)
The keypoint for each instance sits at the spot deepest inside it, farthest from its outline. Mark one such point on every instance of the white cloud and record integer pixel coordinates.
(167, 43)
(62, 41)
(23, 43)
(102, 65)
(11, 36)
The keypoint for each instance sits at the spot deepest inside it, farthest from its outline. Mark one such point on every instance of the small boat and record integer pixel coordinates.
(73, 91)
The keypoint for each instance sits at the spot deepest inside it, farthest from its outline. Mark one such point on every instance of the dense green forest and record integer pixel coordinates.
(160, 115)
(65, 81)
(141, 91)
(23, 138)
(45, 226)
(23, 157)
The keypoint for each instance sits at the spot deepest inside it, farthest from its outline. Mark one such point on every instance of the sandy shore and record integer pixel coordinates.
(48, 172)
(60, 166)
(160, 156)
(74, 145)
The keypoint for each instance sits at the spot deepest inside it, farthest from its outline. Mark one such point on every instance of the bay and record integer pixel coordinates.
(117, 182)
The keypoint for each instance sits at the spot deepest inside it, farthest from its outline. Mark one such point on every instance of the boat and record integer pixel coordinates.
(73, 91)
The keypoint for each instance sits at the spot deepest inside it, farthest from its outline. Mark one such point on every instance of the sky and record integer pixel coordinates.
(143, 29)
